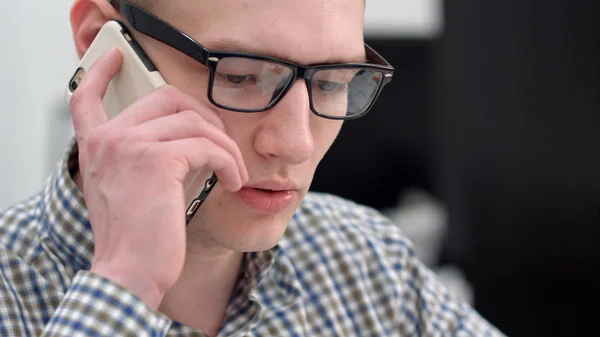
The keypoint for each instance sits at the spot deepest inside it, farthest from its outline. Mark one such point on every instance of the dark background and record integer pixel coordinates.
(499, 117)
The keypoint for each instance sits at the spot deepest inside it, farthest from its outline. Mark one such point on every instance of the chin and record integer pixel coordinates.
(227, 222)
(253, 235)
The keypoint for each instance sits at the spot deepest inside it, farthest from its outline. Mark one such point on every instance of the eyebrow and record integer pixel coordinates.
(237, 47)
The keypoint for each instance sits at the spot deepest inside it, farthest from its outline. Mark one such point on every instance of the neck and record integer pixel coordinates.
(202, 293)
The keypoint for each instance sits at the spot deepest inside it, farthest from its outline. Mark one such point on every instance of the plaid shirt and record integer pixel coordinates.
(340, 270)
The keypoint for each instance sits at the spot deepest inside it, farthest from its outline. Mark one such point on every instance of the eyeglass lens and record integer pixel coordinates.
(250, 84)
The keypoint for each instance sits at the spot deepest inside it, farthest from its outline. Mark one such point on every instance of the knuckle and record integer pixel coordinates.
(150, 154)
(77, 99)
(94, 144)
(154, 157)
(222, 159)
(107, 141)
(188, 115)
(168, 94)
(211, 116)
(166, 91)
(193, 118)
(163, 96)
(219, 124)
(94, 139)
(113, 137)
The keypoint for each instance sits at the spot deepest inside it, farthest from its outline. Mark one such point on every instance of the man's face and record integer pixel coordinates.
(285, 143)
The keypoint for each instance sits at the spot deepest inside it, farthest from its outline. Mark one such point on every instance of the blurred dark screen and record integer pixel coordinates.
(389, 149)
(500, 118)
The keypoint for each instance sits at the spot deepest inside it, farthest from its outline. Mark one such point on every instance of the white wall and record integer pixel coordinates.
(36, 59)
(404, 18)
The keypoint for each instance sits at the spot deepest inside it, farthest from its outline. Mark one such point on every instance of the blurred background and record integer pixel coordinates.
(485, 148)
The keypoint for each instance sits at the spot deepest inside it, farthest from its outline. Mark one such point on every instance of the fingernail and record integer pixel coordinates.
(112, 51)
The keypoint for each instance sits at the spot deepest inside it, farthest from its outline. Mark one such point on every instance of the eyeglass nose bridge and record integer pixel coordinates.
(305, 72)
(299, 73)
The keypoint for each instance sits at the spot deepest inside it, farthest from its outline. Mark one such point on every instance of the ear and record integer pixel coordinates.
(87, 18)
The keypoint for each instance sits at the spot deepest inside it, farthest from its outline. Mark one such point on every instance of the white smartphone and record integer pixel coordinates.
(137, 77)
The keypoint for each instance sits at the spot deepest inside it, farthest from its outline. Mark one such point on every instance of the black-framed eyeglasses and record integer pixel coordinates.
(244, 82)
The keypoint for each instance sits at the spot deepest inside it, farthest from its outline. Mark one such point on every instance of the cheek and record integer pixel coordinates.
(193, 83)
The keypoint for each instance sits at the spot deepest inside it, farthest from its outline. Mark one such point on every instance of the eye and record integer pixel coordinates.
(237, 79)
(329, 86)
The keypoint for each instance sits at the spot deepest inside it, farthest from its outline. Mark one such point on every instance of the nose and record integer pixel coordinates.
(285, 133)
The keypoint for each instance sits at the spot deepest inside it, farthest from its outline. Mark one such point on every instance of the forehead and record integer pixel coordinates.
(303, 31)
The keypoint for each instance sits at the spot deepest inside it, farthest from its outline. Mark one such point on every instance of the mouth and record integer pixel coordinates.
(266, 200)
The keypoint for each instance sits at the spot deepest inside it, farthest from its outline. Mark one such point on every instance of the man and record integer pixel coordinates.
(104, 249)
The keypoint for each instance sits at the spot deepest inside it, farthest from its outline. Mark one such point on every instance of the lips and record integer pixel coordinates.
(269, 197)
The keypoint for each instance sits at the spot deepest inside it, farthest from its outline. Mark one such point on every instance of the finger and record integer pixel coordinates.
(86, 105)
(164, 101)
(188, 124)
(200, 153)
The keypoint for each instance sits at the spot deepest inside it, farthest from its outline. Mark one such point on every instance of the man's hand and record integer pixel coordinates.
(134, 168)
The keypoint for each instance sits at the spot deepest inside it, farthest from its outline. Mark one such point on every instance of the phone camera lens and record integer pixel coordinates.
(76, 79)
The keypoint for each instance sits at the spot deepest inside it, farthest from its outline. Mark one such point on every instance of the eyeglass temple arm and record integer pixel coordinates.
(153, 26)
